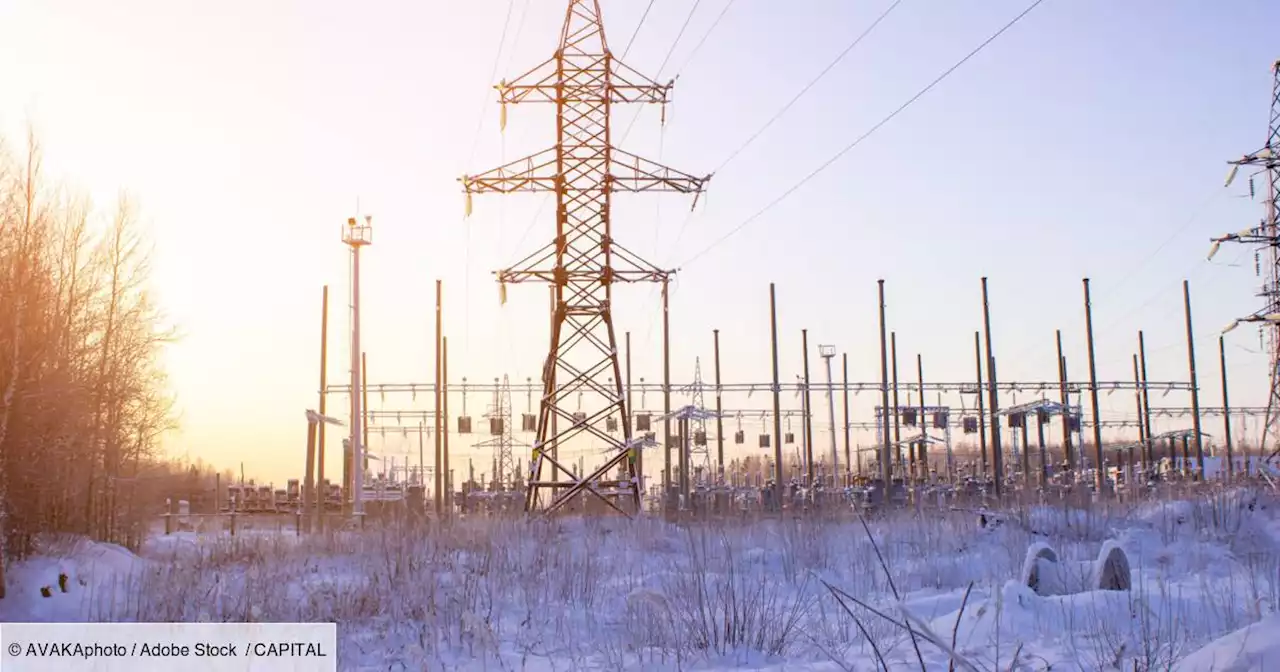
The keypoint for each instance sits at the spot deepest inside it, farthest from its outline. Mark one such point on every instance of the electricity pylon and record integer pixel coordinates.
(583, 261)
(1266, 235)
(500, 428)
(699, 456)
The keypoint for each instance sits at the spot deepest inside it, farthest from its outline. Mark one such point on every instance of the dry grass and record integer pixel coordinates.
(644, 594)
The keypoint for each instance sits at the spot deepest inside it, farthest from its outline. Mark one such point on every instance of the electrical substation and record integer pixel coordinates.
(702, 444)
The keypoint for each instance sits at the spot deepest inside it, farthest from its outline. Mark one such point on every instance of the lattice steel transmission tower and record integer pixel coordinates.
(1266, 235)
(502, 441)
(699, 456)
(583, 261)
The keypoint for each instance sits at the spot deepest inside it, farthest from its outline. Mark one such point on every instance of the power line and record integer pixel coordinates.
(800, 94)
(828, 163)
(640, 25)
(665, 60)
(705, 35)
(1110, 291)
(484, 105)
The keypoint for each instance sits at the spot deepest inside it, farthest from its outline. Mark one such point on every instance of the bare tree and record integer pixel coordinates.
(83, 401)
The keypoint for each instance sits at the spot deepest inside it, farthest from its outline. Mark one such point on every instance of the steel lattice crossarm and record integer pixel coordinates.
(751, 388)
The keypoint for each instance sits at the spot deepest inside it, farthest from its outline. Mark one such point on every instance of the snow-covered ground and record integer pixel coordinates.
(800, 594)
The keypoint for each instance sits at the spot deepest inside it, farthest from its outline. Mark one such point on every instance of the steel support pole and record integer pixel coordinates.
(1100, 474)
(831, 413)
(319, 493)
(1064, 398)
(357, 443)
(808, 413)
(666, 392)
(922, 451)
(897, 418)
(444, 408)
(1137, 399)
(719, 409)
(982, 417)
(436, 462)
(886, 466)
(1146, 397)
(848, 450)
(777, 400)
(993, 398)
(1195, 388)
(1226, 411)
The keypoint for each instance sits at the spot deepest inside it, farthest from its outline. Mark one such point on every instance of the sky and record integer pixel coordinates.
(1089, 140)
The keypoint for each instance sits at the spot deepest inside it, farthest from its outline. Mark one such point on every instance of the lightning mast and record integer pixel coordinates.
(1266, 235)
(356, 236)
(583, 261)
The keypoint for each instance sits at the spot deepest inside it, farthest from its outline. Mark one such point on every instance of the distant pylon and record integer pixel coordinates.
(699, 456)
(502, 441)
(584, 260)
(1267, 237)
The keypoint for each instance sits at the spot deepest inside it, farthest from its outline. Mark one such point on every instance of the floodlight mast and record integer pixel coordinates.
(1266, 236)
(356, 236)
(584, 260)
(827, 352)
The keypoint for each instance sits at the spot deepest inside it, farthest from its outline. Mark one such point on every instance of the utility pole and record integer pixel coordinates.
(827, 352)
(356, 236)
(582, 168)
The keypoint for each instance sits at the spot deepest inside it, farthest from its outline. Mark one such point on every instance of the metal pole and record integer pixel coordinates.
(631, 427)
(684, 458)
(886, 467)
(922, 452)
(848, 457)
(1226, 410)
(993, 398)
(827, 352)
(777, 401)
(308, 484)
(1100, 474)
(357, 447)
(1137, 398)
(1146, 398)
(719, 408)
(982, 417)
(808, 413)
(444, 441)
(666, 393)
(437, 462)
(319, 490)
(1195, 389)
(897, 417)
(1068, 453)
(364, 423)
(1044, 452)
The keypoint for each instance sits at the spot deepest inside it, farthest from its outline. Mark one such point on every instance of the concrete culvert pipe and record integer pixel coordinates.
(1046, 574)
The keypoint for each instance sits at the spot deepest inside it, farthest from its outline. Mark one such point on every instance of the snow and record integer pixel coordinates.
(774, 594)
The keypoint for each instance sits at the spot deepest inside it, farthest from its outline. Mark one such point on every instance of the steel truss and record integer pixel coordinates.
(583, 261)
(1266, 237)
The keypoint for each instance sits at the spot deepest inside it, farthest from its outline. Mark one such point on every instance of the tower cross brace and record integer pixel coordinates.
(582, 263)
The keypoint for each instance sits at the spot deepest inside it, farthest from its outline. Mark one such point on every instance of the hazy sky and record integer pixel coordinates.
(1089, 140)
